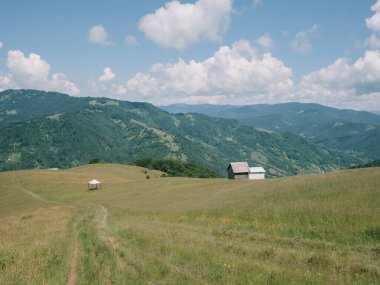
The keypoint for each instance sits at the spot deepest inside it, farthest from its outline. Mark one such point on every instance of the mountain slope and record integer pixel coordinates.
(117, 131)
(21, 105)
(344, 130)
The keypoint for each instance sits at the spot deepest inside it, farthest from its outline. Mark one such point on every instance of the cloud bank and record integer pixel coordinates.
(232, 72)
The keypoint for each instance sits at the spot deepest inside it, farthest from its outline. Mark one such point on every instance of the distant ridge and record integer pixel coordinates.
(48, 130)
(354, 132)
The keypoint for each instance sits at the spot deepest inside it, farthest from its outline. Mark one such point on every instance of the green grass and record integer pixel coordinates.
(311, 229)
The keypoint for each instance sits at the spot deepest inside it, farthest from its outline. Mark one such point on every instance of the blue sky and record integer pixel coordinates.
(204, 51)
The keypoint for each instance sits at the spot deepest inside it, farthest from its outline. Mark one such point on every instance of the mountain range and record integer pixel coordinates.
(47, 129)
(353, 132)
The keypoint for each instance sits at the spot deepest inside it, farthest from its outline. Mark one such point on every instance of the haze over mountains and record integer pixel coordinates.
(48, 129)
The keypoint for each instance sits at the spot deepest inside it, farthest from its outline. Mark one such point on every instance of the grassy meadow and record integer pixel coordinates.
(310, 229)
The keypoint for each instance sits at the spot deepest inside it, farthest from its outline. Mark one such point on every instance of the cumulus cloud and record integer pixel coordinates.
(345, 84)
(1, 45)
(265, 41)
(107, 75)
(235, 71)
(105, 85)
(98, 35)
(59, 82)
(30, 71)
(7, 82)
(119, 89)
(372, 42)
(373, 23)
(302, 42)
(33, 72)
(107, 88)
(179, 26)
(130, 40)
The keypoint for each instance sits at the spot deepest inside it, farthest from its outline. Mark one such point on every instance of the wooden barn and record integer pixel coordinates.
(238, 170)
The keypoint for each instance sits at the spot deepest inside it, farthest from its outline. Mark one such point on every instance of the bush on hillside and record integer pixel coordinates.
(176, 168)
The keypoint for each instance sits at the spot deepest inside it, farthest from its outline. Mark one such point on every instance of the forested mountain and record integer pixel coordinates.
(63, 131)
(21, 105)
(354, 132)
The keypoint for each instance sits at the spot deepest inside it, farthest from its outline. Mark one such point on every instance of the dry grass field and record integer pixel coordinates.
(311, 229)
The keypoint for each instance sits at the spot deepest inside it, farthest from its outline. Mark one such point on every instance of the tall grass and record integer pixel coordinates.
(312, 229)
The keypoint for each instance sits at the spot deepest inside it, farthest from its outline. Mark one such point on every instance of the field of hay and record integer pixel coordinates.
(311, 229)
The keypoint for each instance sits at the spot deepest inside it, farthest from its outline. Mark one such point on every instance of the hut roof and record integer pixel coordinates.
(93, 182)
(239, 167)
(256, 170)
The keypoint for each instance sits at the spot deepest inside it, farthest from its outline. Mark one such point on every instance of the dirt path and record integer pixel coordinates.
(100, 220)
(73, 273)
(30, 193)
(101, 217)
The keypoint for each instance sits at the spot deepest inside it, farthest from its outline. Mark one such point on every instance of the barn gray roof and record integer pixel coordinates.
(256, 170)
(239, 167)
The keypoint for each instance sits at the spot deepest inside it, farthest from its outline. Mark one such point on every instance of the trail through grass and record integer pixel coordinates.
(313, 229)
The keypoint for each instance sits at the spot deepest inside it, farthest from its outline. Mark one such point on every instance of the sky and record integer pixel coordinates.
(202, 51)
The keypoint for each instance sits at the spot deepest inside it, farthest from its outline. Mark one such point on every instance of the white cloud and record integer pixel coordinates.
(265, 41)
(180, 25)
(107, 75)
(373, 23)
(1, 45)
(241, 75)
(59, 82)
(130, 40)
(372, 42)
(33, 72)
(343, 84)
(231, 72)
(257, 3)
(119, 89)
(143, 84)
(98, 35)
(301, 42)
(105, 86)
(6, 82)
(30, 71)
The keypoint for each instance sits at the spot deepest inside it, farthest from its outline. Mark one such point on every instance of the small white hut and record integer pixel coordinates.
(256, 173)
(94, 184)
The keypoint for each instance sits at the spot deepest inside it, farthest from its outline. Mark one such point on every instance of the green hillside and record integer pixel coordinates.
(175, 168)
(22, 105)
(120, 131)
(350, 131)
(375, 163)
(312, 229)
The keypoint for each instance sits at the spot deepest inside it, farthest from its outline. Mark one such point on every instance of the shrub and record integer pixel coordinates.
(94, 160)
(176, 168)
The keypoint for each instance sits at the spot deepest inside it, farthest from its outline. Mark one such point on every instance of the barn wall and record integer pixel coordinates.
(241, 176)
(230, 173)
(254, 176)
